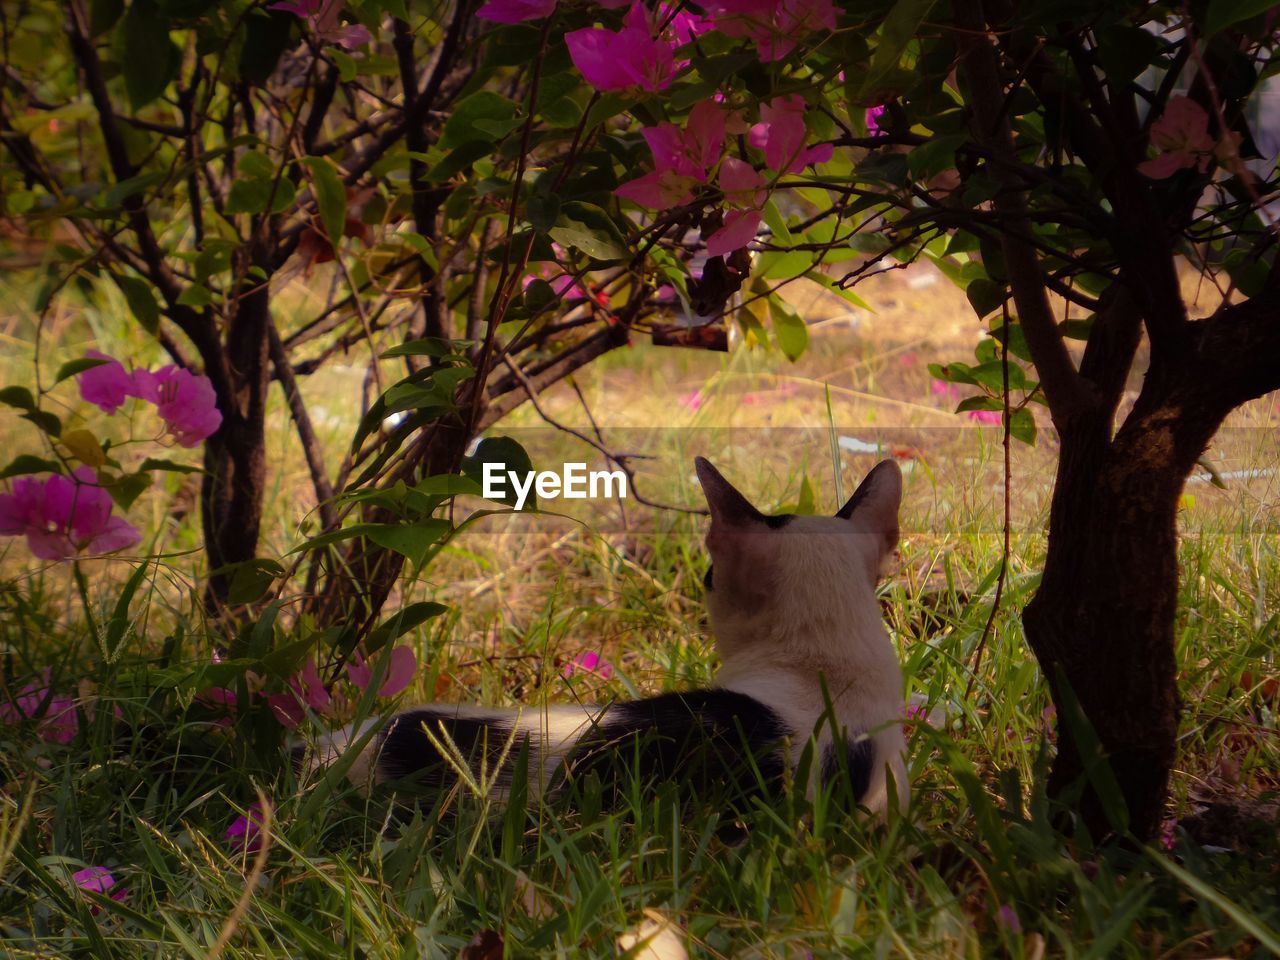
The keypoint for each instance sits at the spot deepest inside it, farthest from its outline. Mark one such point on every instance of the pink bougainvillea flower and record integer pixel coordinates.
(630, 59)
(873, 117)
(693, 401)
(107, 385)
(742, 184)
(311, 690)
(781, 135)
(775, 27)
(322, 15)
(694, 150)
(515, 11)
(683, 27)
(399, 673)
(62, 516)
(286, 709)
(659, 190)
(560, 279)
(58, 720)
(1182, 137)
(589, 661)
(185, 401)
(743, 191)
(306, 690)
(986, 416)
(1007, 918)
(739, 229)
(940, 388)
(245, 833)
(98, 880)
(220, 697)
(683, 158)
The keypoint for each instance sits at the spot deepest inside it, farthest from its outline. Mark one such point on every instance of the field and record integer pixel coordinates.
(150, 785)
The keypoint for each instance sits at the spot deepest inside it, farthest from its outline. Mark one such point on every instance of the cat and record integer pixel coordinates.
(803, 653)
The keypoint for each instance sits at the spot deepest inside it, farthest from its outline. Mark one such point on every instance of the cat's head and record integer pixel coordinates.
(774, 577)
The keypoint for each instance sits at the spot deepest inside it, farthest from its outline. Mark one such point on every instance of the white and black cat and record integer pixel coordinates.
(803, 654)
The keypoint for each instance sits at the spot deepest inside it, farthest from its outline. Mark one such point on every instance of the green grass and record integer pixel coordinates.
(150, 784)
(149, 794)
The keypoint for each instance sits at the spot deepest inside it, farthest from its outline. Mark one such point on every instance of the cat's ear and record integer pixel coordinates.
(873, 508)
(727, 505)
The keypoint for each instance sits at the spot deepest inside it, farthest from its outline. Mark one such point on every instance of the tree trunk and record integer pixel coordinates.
(235, 457)
(357, 586)
(1103, 618)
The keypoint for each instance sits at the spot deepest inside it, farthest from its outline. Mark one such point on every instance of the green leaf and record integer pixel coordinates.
(426, 347)
(266, 38)
(539, 295)
(72, 367)
(1225, 13)
(26, 463)
(150, 59)
(782, 264)
(896, 33)
(952, 372)
(256, 165)
(991, 376)
(930, 159)
(45, 420)
(260, 186)
(331, 197)
(402, 622)
(980, 402)
(252, 579)
(127, 488)
(507, 453)
(459, 160)
(817, 276)
(19, 397)
(484, 115)
(1018, 345)
(542, 211)
(157, 463)
(789, 330)
(412, 541)
(777, 224)
(248, 195)
(1077, 328)
(347, 65)
(586, 227)
(103, 15)
(1022, 426)
(137, 293)
(196, 295)
(985, 296)
(118, 623)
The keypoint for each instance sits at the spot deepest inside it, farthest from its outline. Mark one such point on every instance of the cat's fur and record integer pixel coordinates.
(803, 654)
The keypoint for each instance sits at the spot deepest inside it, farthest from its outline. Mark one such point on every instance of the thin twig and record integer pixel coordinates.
(1004, 556)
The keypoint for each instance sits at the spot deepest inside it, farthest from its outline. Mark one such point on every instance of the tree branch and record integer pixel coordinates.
(306, 433)
(506, 399)
(1063, 387)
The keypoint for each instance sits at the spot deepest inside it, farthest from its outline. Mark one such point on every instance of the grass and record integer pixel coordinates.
(151, 783)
